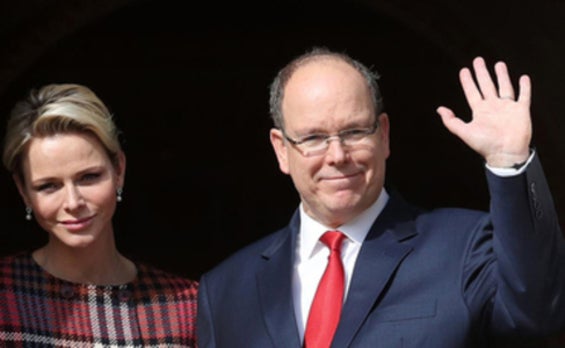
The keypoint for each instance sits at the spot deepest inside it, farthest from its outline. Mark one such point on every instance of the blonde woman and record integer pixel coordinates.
(62, 148)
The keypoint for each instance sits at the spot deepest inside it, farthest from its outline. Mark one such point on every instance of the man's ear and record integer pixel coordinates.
(281, 150)
(384, 131)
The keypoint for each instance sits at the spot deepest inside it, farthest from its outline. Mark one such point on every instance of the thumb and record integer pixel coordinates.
(450, 121)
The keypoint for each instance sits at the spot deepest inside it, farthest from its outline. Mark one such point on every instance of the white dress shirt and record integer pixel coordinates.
(312, 255)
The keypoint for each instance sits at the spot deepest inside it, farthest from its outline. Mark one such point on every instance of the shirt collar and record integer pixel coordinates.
(356, 230)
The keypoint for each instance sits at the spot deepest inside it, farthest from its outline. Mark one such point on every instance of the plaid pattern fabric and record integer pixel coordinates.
(157, 309)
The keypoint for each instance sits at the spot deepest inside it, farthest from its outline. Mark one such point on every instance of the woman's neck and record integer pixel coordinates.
(84, 265)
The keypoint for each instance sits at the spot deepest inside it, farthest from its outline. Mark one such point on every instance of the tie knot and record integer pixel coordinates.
(333, 239)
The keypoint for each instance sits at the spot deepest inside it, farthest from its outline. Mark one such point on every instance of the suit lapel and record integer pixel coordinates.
(381, 254)
(274, 282)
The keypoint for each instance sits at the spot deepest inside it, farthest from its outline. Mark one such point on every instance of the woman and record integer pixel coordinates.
(62, 149)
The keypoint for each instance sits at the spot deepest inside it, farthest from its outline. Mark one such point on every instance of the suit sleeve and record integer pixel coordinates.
(528, 255)
(204, 324)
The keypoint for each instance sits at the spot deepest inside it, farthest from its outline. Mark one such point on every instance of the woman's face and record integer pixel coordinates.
(70, 183)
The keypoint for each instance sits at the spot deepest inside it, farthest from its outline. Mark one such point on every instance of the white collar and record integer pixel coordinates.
(356, 230)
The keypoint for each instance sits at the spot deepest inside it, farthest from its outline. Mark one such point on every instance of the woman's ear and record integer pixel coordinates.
(121, 169)
(21, 189)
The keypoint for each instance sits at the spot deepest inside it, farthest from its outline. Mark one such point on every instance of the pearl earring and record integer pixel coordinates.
(119, 194)
(28, 213)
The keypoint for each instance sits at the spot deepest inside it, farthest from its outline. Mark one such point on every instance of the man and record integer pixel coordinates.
(411, 278)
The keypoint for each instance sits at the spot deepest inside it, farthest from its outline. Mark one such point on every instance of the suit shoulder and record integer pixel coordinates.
(452, 214)
(248, 256)
(452, 220)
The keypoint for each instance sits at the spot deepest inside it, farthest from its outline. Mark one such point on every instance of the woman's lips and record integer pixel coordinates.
(77, 224)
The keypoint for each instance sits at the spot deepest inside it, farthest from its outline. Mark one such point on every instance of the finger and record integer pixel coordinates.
(525, 90)
(488, 89)
(472, 93)
(505, 89)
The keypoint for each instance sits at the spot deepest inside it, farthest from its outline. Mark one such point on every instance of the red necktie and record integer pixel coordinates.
(326, 307)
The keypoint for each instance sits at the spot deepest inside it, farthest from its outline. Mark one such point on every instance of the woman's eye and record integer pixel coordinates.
(47, 187)
(90, 177)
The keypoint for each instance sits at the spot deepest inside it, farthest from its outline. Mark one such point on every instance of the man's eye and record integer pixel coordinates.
(313, 139)
(354, 132)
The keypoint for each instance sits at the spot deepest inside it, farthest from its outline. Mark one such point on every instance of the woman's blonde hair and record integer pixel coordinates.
(55, 109)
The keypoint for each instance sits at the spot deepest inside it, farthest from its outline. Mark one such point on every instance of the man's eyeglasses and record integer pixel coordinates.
(317, 144)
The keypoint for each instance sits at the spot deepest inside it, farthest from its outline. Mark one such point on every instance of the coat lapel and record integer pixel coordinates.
(274, 282)
(381, 254)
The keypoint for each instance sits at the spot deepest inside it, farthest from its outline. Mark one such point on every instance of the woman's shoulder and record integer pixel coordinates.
(152, 278)
(15, 267)
(17, 259)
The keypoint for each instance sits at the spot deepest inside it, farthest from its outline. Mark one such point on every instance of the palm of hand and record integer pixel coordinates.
(500, 129)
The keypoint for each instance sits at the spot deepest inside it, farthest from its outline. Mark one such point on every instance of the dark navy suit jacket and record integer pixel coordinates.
(443, 278)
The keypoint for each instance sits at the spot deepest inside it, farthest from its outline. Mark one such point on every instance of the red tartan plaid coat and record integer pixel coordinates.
(157, 309)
